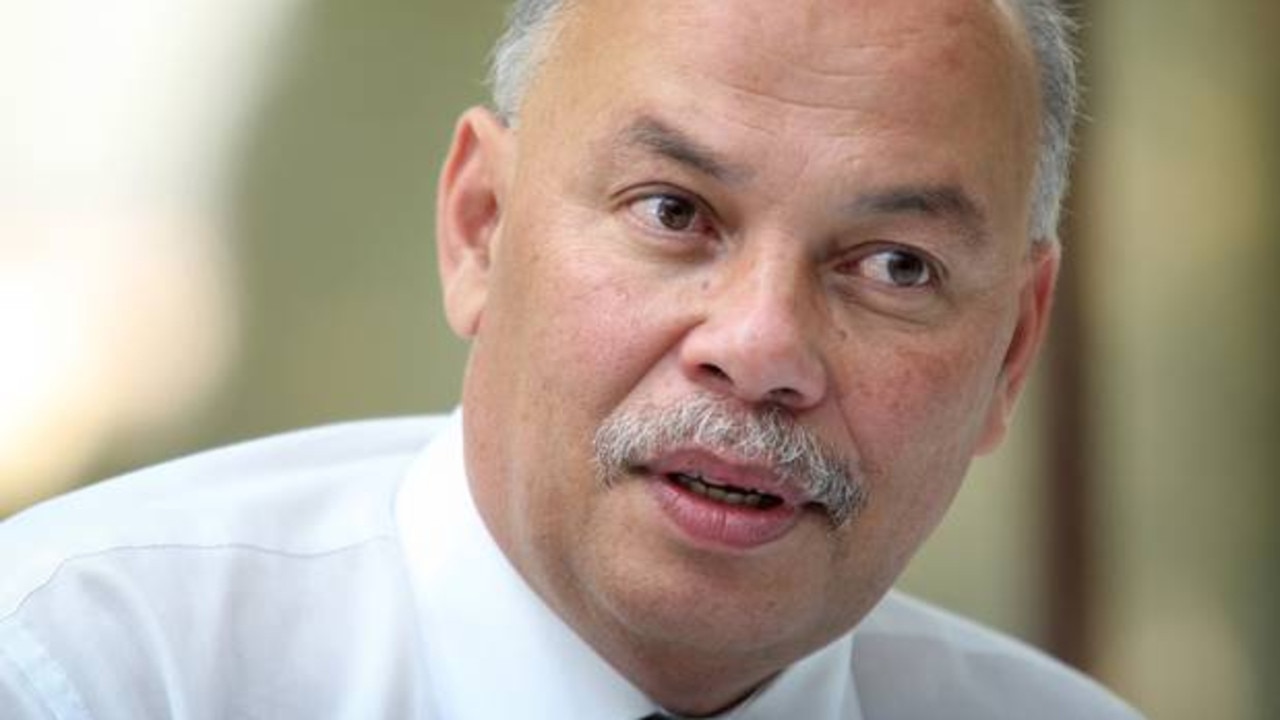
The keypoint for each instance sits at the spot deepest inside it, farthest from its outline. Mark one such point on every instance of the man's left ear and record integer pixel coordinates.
(1034, 306)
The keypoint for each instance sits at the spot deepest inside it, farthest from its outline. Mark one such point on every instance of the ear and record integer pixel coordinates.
(469, 206)
(1035, 304)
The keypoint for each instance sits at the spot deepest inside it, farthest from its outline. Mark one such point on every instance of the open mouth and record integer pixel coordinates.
(723, 505)
(727, 494)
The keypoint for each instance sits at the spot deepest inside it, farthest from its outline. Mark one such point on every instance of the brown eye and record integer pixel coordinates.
(898, 268)
(675, 214)
(670, 213)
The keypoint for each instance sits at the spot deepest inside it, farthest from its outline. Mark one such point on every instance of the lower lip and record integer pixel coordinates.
(718, 525)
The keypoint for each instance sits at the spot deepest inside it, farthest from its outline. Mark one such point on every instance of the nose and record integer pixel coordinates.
(755, 340)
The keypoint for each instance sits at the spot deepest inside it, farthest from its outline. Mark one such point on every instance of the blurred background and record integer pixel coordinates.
(216, 223)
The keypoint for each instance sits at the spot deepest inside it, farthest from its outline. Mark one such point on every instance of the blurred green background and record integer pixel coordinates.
(324, 306)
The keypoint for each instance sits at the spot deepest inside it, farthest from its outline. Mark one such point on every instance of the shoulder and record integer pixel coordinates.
(214, 580)
(306, 491)
(912, 659)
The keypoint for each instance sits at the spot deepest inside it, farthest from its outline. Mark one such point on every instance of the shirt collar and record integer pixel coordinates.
(494, 649)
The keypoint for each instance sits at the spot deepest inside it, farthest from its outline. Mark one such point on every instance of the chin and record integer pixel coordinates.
(686, 608)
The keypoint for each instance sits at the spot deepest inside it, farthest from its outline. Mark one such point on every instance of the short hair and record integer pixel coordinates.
(1051, 31)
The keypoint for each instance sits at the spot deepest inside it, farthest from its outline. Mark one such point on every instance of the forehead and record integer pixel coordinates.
(813, 77)
(767, 44)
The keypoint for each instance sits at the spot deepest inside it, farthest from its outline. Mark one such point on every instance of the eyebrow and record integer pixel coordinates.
(947, 203)
(654, 135)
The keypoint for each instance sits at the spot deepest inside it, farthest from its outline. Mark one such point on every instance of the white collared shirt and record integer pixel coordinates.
(344, 572)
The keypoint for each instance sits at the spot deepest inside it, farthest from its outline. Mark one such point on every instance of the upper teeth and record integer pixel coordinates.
(721, 493)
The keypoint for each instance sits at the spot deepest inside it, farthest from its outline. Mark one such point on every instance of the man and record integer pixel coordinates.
(748, 284)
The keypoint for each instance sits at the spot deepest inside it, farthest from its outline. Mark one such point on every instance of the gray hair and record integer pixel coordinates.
(632, 437)
(523, 44)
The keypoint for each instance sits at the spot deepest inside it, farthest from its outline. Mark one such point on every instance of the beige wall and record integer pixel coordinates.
(1185, 173)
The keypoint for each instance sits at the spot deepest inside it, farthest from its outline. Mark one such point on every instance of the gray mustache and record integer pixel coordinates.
(630, 438)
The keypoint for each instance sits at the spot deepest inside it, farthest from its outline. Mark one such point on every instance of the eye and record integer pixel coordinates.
(667, 212)
(898, 268)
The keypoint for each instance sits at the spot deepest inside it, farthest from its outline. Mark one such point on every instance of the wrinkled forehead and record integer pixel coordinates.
(803, 51)
(837, 92)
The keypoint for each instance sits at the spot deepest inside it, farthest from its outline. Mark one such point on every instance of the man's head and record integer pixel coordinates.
(748, 285)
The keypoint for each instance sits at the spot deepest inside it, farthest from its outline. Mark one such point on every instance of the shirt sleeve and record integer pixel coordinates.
(32, 685)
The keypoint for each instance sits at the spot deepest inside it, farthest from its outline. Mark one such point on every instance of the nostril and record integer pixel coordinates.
(715, 371)
(784, 395)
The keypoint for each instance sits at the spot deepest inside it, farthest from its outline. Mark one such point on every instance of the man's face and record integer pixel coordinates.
(815, 211)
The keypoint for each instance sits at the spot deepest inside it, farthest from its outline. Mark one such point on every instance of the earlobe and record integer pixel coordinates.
(469, 206)
(1035, 306)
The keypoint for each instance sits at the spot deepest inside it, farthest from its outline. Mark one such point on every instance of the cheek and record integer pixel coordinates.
(903, 394)
(916, 415)
(580, 327)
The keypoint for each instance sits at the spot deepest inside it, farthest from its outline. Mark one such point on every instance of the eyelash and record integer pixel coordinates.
(932, 273)
(702, 223)
(701, 220)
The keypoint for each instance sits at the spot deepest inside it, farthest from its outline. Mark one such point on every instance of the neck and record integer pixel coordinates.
(682, 677)
(689, 687)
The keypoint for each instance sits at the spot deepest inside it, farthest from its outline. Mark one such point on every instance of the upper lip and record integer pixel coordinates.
(718, 469)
